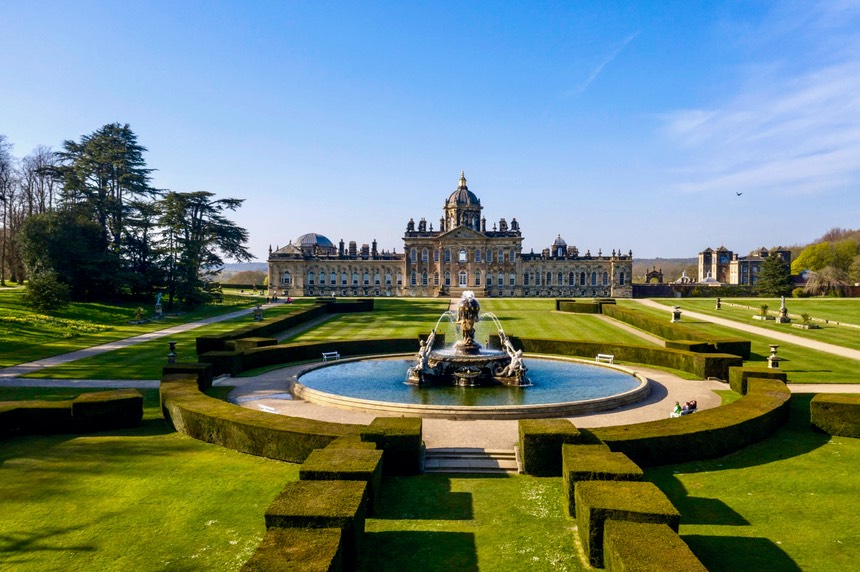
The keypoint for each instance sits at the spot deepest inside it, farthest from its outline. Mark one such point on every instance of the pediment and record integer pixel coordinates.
(461, 233)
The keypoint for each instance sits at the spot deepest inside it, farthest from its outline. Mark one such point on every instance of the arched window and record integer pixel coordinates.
(366, 278)
(606, 279)
(447, 255)
(310, 278)
(414, 280)
(501, 257)
(355, 278)
(424, 279)
(399, 279)
(343, 278)
(435, 255)
(462, 257)
(413, 255)
(463, 279)
(332, 278)
(447, 279)
(582, 278)
(288, 278)
(322, 278)
(537, 278)
(376, 278)
(513, 255)
(525, 278)
(560, 278)
(571, 279)
(594, 278)
(477, 255)
(435, 279)
(388, 278)
(489, 255)
(425, 255)
(621, 279)
(478, 278)
(489, 278)
(513, 279)
(502, 279)
(548, 278)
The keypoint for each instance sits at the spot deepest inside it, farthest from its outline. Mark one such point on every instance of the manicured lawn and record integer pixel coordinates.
(788, 503)
(26, 335)
(139, 499)
(803, 366)
(443, 523)
(845, 310)
(146, 360)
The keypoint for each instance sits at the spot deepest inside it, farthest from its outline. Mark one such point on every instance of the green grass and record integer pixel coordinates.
(803, 366)
(788, 503)
(834, 309)
(138, 499)
(442, 523)
(26, 335)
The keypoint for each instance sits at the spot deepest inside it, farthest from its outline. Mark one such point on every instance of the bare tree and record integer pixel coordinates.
(38, 180)
(7, 192)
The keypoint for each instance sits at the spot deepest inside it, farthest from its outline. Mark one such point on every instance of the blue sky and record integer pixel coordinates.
(616, 125)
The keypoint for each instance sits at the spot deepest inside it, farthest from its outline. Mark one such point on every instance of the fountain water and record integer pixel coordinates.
(466, 363)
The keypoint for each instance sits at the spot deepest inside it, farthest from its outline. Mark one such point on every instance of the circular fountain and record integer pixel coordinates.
(466, 363)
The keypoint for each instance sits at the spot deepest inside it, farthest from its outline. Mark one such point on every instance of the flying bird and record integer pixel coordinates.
(738, 194)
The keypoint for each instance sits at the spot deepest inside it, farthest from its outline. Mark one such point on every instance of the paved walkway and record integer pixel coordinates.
(759, 331)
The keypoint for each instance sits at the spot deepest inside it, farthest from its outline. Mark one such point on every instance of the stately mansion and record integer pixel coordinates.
(462, 254)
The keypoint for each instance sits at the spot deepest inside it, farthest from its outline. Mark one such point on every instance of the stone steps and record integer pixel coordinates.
(470, 461)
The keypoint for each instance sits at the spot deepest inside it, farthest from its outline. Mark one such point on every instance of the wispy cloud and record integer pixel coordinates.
(793, 132)
(596, 71)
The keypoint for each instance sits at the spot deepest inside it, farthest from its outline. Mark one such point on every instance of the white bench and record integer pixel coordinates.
(608, 358)
(330, 355)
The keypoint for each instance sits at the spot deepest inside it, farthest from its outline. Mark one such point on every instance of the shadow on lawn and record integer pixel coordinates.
(419, 551)
(14, 548)
(731, 553)
(427, 497)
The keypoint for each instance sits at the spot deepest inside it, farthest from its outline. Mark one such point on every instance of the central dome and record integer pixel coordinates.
(313, 239)
(463, 196)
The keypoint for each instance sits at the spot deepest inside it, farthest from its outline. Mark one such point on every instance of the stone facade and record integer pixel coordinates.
(462, 254)
(727, 267)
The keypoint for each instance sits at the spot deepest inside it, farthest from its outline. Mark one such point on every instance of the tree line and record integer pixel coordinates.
(85, 223)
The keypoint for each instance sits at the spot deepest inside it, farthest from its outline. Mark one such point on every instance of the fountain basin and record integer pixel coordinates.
(562, 387)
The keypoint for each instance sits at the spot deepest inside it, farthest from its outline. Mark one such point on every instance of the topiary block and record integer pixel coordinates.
(299, 550)
(203, 371)
(836, 413)
(34, 417)
(104, 410)
(223, 362)
(599, 501)
(351, 442)
(243, 344)
(540, 443)
(348, 465)
(401, 442)
(739, 377)
(642, 547)
(594, 463)
(323, 504)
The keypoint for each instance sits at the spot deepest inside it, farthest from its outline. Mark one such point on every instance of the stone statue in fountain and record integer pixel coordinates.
(467, 315)
(515, 368)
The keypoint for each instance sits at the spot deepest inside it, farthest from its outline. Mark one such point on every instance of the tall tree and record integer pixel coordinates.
(195, 236)
(774, 277)
(102, 173)
(7, 196)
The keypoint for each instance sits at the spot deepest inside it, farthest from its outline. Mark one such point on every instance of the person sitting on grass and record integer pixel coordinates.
(677, 412)
(689, 407)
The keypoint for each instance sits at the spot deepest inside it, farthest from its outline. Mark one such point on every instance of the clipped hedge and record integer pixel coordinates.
(836, 413)
(299, 550)
(669, 331)
(243, 344)
(541, 441)
(645, 547)
(202, 372)
(266, 328)
(739, 376)
(105, 410)
(594, 463)
(577, 307)
(706, 434)
(346, 465)
(34, 417)
(702, 365)
(600, 501)
(323, 504)
(224, 362)
(350, 442)
(255, 432)
(400, 439)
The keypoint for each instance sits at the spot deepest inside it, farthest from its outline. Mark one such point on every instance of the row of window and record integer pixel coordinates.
(528, 279)
(478, 256)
